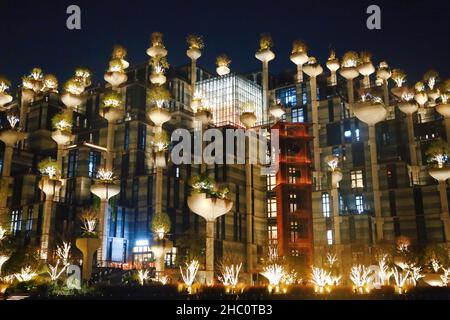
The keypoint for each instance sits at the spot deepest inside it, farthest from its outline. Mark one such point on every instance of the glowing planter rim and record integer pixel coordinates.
(248, 119)
(366, 69)
(312, 70)
(444, 110)
(157, 51)
(222, 70)
(158, 78)
(333, 65)
(407, 107)
(71, 100)
(276, 111)
(194, 53)
(115, 78)
(5, 98)
(265, 55)
(112, 114)
(50, 186)
(62, 137)
(440, 174)
(208, 208)
(370, 113)
(299, 58)
(159, 116)
(10, 137)
(349, 73)
(105, 191)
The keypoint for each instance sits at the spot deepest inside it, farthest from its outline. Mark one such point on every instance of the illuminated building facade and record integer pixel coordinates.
(293, 193)
(226, 95)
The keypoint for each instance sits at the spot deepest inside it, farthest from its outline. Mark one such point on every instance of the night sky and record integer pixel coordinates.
(414, 35)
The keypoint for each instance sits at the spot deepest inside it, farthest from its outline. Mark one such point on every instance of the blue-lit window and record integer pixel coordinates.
(326, 205)
(142, 136)
(72, 163)
(359, 201)
(29, 225)
(126, 140)
(94, 161)
(287, 96)
(297, 115)
(304, 98)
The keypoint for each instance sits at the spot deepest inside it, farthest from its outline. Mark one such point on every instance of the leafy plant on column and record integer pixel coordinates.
(209, 202)
(50, 184)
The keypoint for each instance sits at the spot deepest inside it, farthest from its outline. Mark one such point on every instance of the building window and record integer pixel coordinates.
(297, 115)
(271, 182)
(272, 207)
(329, 237)
(170, 258)
(293, 174)
(287, 96)
(294, 228)
(359, 203)
(94, 160)
(326, 205)
(272, 235)
(292, 202)
(357, 179)
(16, 221)
(294, 253)
(29, 225)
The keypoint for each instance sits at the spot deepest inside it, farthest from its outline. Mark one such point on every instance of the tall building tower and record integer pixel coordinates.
(293, 192)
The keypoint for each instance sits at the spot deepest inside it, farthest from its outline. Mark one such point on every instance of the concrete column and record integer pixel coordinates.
(442, 187)
(351, 96)
(248, 206)
(210, 251)
(336, 217)
(386, 92)
(316, 131)
(379, 220)
(193, 76)
(412, 142)
(7, 159)
(46, 221)
(299, 73)
(103, 231)
(447, 128)
(110, 145)
(159, 190)
(265, 86)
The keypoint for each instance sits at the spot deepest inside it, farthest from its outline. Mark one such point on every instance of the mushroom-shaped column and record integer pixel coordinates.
(276, 110)
(112, 110)
(5, 97)
(336, 177)
(265, 55)
(72, 95)
(158, 95)
(333, 65)
(371, 110)
(430, 79)
(443, 106)
(399, 77)
(408, 106)
(223, 65)
(10, 137)
(420, 95)
(384, 73)
(437, 154)
(313, 69)
(366, 67)
(115, 75)
(210, 204)
(62, 123)
(299, 57)
(349, 70)
(89, 242)
(32, 84)
(160, 227)
(158, 60)
(248, 118)
(194, 52)
(50, 185)
(105, 187)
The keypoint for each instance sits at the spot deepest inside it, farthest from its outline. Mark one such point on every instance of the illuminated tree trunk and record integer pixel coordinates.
(379, 220)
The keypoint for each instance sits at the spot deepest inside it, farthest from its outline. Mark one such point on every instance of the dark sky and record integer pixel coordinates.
(414, 35)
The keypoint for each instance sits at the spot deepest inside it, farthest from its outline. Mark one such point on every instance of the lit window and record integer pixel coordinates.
(294, 253)
(347, 134)
(29, 225)
(177, 172)
(357, 134)
(293, 174)
(16, 221)
(272, 207)
(329, 237)
(272, 235)
(359, 203)
(292, 202)
(326, 205)
(297, 115)
(287, 96)
(357, 179)
(294, 230)
(271, 182)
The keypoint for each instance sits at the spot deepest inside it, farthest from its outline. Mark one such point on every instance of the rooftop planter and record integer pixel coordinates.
(157, 48)
(196, 44)
(370, 109)
(5, 97)
(112, 106)
(349, 66)
(223, 65)
(265, 54)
